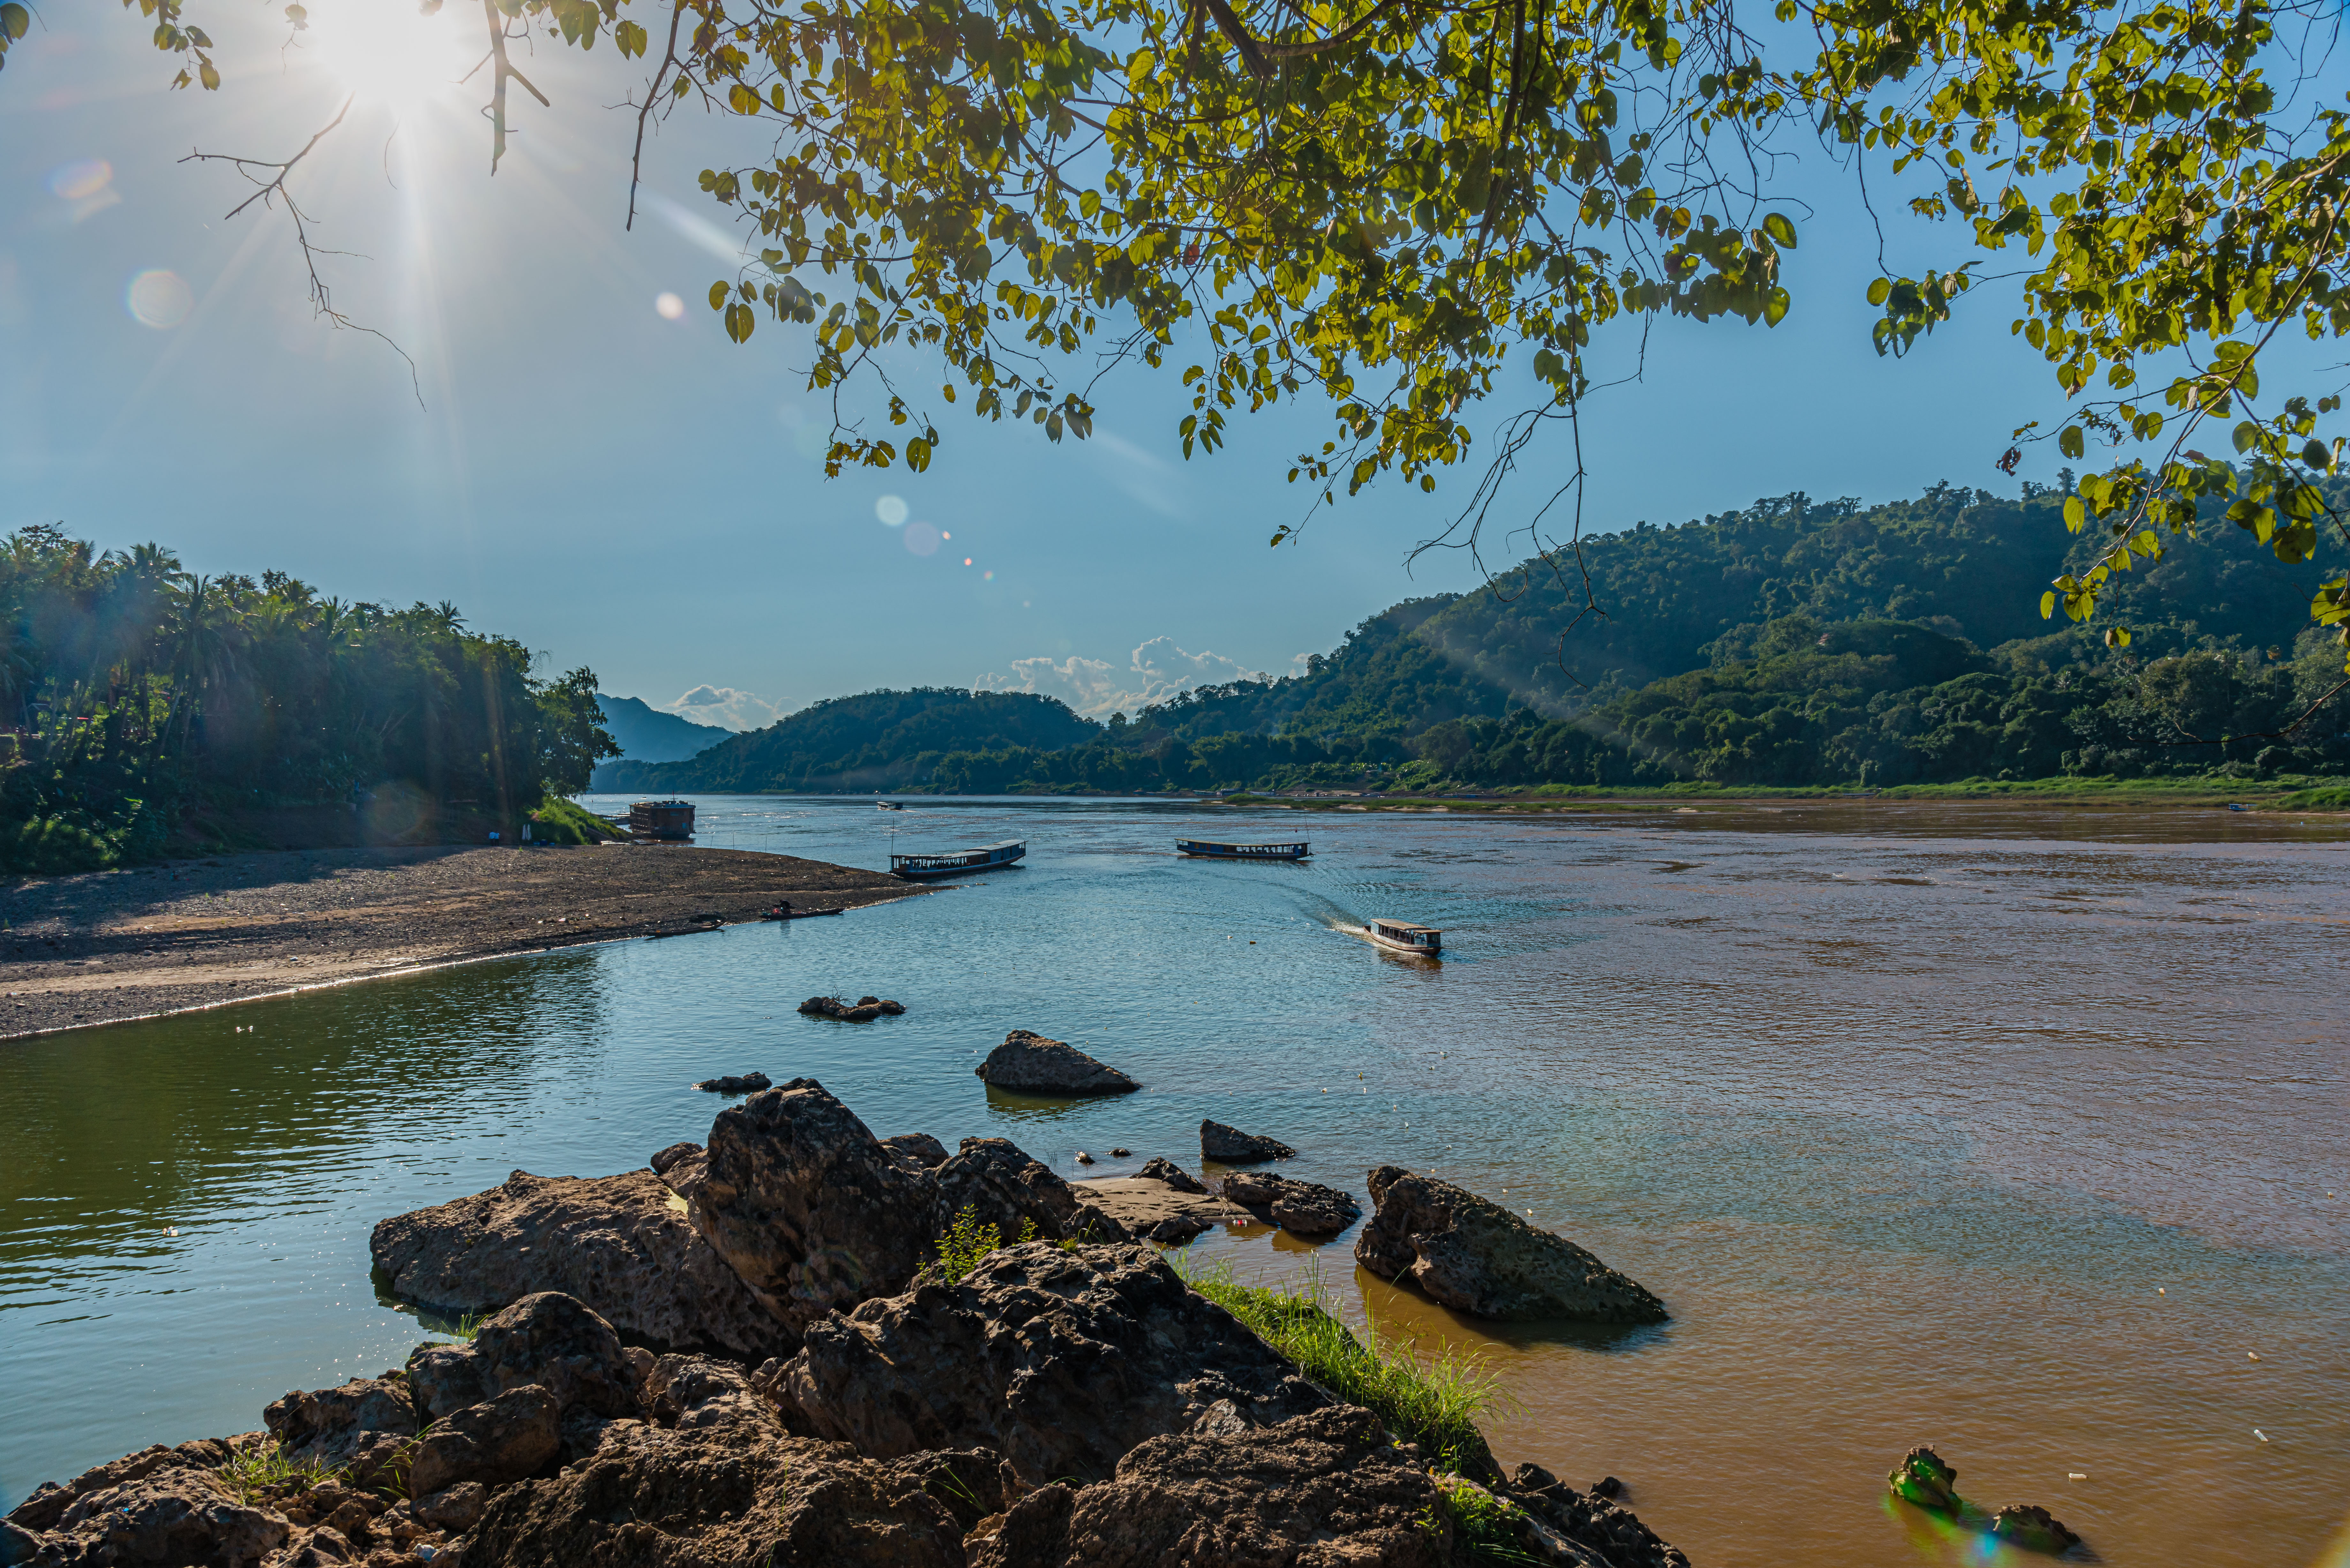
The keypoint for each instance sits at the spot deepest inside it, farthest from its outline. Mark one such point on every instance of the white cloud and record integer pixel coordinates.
(726, 705)
(1154, 673)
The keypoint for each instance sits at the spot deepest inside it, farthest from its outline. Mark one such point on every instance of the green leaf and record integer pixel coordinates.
(2069, 441)
(1880, 291)
(15, 19)
(718, 292)
(1777, 226)
(2075, 517)
(2047, 604)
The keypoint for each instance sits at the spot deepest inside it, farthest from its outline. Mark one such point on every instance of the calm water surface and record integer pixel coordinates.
(2019, 1132)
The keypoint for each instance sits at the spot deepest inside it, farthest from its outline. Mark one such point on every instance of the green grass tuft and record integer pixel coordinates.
(559, 820)
(2337, 798)
(1434, 1403)
(1488, 1527)
(263, 1470)
(967, 1242)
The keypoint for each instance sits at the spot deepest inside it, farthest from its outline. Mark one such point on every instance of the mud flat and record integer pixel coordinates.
(114, 945)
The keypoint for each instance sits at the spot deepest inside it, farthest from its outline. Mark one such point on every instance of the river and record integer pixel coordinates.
(2020, 1131)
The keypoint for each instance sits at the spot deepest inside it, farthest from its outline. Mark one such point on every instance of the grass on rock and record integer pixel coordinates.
(262, 1470)
(1433, 1402)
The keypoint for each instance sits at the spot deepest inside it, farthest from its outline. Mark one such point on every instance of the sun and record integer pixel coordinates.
(385, 52)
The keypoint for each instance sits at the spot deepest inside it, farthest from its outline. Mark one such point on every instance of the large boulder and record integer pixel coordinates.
(718, 1479)
(547, 1339)
(815, 1215)
(362, 1428)
(1158, 1170)
(494, 1443)
(623, 1244)
(1029, 1064)
(1061, 1360)
(1230, 1145)
(1325, 1488)
(1301, 1208)
(1923, 1478)
(160, 1508)
(1477, 1257)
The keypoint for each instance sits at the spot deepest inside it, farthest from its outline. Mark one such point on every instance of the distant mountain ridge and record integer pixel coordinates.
(647, 734)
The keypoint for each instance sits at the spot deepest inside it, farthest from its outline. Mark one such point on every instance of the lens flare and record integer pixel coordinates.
(922, 539)
(891, 511)
(669, 307)
(80, 179)
(158, 299)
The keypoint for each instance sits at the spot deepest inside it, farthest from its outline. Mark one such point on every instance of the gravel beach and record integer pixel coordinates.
(111, 945)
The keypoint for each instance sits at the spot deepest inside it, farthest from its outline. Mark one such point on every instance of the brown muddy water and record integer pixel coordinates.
(2015, 1130)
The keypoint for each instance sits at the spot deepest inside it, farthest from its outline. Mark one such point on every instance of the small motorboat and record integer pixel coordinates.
(786, 912)
(956, 862)
(1403, 937)
(1205, 849)
(888, 806)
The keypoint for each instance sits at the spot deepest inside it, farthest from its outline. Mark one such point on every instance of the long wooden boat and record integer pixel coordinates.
(1403, 937)
(956, 862)
(661, 819)
(1205, 849)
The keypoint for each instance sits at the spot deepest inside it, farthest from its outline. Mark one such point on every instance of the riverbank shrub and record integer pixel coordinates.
(561, 821)
(1434, 1402)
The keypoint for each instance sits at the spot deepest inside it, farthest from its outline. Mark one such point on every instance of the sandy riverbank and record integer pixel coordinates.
(111, 945)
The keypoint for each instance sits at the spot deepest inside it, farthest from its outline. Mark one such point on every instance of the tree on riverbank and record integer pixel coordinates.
(136, 697)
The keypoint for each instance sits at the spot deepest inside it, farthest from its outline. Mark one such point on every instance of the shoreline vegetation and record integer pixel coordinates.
(106, 947)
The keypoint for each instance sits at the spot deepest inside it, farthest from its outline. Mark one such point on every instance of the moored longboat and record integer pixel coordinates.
(956, 862)
(1207, 849)
(671, 820)
(1403, 937)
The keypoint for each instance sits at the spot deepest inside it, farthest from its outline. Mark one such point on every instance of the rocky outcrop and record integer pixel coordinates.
(160, 1509)
(362, 1429)
(864, 1010)
(623, 1244)
(918, 1151)
(1230, 1145)
(1173, 1175)
(1301, 1208)
(813, 1214)
(746, 1083)
(1029, 1064)
(1477, 1257)
(548, 1340)
(664, 1159)
(716, 1478)
(1059, 1360)
(1323, 1489)
(1588, 1521)
(494, 1443)
(1154, 1210)
(2032, 1528)
(1923, 1479)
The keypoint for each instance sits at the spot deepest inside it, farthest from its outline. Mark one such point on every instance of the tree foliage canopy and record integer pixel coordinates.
(1384, 199)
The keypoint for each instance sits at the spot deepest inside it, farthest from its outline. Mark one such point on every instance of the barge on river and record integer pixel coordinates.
(661, 819)
(956, 862)
(1202, 849)
(1403, 937)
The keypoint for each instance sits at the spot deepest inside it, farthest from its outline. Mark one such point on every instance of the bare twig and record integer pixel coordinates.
(652, 97)
(272, 190)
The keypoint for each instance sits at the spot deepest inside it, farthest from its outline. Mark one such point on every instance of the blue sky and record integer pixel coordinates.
(632, 492)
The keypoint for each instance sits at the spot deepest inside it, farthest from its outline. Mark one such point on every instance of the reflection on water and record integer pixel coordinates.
(2011, 1132)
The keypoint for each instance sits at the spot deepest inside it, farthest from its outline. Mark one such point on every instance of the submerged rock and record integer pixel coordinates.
(1923, 1479)
(1325, 1488)
(1230, 1145)
(1059, 1360)
(1301, 1208)
(1477, 1257)
(864, 1010)
(623, 1244)
(1030, 1063)
(748, 1084)
(2032, 1528)
(813, 1213)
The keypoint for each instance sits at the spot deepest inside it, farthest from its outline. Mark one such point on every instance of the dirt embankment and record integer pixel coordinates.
(78, 950)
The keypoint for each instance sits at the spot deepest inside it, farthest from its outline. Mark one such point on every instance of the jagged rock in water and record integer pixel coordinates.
(814, 1213)
(1029, 1064)
(1230, 1145)
(1303, 1207)
(2030, 1526)
(1059, 1360)
(1923, 1479)
(624, 1245)
(159, 1508)
(548, 1339)
(1589, 1521)
(362, 1426)
(864, 1010)
(497, 1442)
(745, 1084)
(1477, 1257)
(1155, 1169)
(717, 1479)
(1324, 1489)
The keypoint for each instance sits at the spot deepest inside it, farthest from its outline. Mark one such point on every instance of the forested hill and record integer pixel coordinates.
(1793, 642)
(878, 741)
